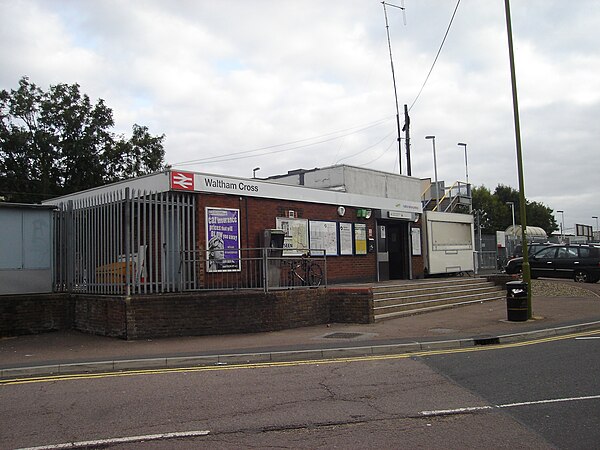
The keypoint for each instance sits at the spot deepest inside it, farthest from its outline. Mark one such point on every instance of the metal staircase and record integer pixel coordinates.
(413, 297)
(456, 198)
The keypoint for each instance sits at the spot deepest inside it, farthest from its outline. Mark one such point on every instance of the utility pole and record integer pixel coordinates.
(406, 130)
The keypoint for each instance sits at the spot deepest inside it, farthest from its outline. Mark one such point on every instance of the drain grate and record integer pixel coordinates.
(342, 335)
(486, 341)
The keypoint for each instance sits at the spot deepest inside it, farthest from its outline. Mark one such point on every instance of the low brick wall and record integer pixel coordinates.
(196, 314)
(99, 314)
(501, 279)
(188, 314)
(351, 305)
(35, 313)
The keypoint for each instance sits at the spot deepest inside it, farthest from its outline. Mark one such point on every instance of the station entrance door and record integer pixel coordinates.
(393, 250)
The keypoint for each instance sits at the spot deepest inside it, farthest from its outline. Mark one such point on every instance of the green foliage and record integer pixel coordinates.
(57, 142)
(496, 213)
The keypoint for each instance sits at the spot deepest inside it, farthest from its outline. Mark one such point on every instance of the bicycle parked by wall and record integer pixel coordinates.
(305, 272)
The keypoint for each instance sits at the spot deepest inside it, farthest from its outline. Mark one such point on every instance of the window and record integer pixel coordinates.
(567, 253)
(547, 253)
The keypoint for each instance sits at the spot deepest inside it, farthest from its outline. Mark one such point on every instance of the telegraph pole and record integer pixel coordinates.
(406, 130)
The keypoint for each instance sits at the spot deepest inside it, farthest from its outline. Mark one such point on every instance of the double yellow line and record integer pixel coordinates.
(265, 365)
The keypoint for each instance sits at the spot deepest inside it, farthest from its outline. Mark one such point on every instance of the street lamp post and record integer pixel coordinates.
(523, 204)
(562, 226)
(437, 186)
(254, 171)
(462, 144)
(512, 208)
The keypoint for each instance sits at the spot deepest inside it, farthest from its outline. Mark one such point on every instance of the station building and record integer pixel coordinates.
(189, 253)
(178, 230)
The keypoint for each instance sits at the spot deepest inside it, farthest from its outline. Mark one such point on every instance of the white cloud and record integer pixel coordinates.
(231, 76)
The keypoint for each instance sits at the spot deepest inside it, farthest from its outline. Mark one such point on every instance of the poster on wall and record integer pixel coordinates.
(415, 234)
(323, 236)
(295, 241)
(345, 238)
(223, 240)
(360, 238)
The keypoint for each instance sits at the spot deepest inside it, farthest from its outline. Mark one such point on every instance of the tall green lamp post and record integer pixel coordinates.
(526, 267)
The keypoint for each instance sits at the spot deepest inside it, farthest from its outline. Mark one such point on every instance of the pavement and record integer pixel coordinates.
(68, 352)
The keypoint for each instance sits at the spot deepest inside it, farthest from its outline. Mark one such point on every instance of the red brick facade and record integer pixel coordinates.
(258, 214)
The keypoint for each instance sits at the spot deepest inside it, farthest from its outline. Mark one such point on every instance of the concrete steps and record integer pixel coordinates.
(396, 300)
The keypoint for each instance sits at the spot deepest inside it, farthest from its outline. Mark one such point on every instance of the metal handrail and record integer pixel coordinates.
(264, 269)
(448, 194)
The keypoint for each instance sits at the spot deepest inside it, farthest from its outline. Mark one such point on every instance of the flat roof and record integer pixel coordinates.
(25, 206)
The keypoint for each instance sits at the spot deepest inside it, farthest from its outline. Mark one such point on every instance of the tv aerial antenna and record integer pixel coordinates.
(387, 29)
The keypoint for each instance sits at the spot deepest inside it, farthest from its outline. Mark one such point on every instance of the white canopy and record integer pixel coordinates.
(530, 232)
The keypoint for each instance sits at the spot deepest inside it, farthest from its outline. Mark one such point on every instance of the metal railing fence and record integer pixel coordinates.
(138, 242)
(255, 268)
(123, 243)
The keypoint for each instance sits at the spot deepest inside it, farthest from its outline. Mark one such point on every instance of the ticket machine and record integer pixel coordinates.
(272, 242)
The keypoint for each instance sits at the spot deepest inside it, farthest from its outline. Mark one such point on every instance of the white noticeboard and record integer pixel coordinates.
(346, 238)
(323, 235)
(415, 234)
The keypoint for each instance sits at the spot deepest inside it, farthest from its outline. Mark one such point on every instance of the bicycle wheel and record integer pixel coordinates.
(314, 275)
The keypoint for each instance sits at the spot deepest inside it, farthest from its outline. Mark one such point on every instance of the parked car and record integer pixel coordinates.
(532, 248)
(579, 262)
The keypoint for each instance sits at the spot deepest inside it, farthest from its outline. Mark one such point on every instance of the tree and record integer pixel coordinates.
(496, 214)
(142, 154)
(58, 142)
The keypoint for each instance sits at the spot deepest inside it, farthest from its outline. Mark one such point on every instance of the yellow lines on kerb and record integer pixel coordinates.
(277, 364)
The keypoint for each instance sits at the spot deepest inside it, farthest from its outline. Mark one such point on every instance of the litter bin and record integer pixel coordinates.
(516, 301)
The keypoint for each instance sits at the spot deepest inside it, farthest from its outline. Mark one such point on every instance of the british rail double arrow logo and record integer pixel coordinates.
(182, 180)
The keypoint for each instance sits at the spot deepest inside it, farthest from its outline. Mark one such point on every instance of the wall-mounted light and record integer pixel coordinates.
(341, 211)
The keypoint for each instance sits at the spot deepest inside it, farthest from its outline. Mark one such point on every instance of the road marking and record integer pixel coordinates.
(275, 364)
(121, 440)
(585, 338)
(470, 409)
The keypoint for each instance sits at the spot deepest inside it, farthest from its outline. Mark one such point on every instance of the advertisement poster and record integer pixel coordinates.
(360, 238)
(345, 238)
(296, 235)
(223, 240)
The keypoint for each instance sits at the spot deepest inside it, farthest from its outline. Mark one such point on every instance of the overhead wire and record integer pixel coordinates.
(392, 142)
(234, 155)
(357, 129)
(436, 56)
(368, 148)
(231, 157)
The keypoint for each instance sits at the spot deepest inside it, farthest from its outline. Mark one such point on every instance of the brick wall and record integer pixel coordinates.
(35, 313)
(225, 313)
(258, 214)
(102, 315)
(190, 314)
(351, 305)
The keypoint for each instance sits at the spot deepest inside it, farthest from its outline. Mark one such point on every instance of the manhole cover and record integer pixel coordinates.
(342, 335)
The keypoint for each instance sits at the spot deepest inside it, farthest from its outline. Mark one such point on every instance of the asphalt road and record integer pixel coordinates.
(557, 384)
(367, 403)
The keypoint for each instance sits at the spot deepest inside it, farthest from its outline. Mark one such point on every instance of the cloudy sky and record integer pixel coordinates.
(282, 84)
